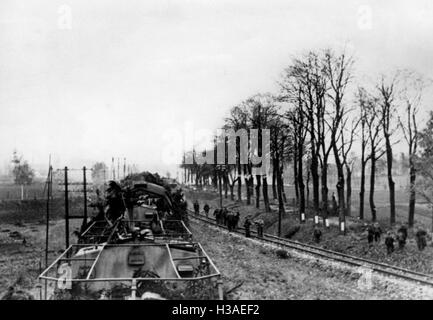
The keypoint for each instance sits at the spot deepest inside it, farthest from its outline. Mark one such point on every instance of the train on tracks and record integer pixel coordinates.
(148, 252)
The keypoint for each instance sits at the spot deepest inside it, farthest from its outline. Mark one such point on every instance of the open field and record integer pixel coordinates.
(13, 192)
(22, 252)
(22, 238)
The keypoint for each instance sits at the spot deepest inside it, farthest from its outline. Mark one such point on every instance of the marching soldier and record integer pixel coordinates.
(217, 215)
(401, 236)
(317, 234)
(421, 240)
(224, 214)
(370, 234)
(232, 221)
(236, 221)
(116, 205)
(259, 223)
(247, 225)
(377, 231)
(389, 242)
(196, 207)
(206, 209)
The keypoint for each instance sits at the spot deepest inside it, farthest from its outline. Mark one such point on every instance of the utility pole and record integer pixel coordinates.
(49, 183)
(85, 198)
(66, 209)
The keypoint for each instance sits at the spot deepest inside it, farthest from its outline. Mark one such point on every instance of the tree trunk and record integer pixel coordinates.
(282, 185)
(349, 191)
(280, 197)
(258, 184)
(340, 183)
(308, 188)
(220, 187)
(412, 172)
(239, 183)
(301, 184)
(315, 178)
(247, 184)
(274, 180)
(225, 180)
(265, 194)
(362, 191)
(295, 174)
(372, 182)
(391, 183)
(215, 177)
(325, 204)
(232, 195)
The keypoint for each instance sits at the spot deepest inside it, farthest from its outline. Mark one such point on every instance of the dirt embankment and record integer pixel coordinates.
(264, 275)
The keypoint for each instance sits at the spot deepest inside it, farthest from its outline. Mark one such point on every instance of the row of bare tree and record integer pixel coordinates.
(319, 118)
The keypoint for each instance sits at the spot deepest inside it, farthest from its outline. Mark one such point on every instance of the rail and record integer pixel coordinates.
(376, 266)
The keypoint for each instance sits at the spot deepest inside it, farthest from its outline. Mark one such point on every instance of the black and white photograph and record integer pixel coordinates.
(226, 152)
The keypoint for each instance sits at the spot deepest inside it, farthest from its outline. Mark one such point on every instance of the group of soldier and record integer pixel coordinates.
(374, 233)
(401, 238)
(259, 225)
(230, 219)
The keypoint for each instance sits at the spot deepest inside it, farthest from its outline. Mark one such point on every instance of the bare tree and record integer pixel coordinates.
(374, 124)
(346, 147)
(411, 96)
(299, 133)
(365, 103)
(387, 112)
(338, 68)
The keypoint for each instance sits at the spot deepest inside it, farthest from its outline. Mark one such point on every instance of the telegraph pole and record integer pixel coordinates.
(85, 197)
(66, 209)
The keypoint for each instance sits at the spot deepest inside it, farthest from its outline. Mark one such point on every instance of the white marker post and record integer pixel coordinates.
(316, 219)
(326, 223)
(302, 217)
(343, 227)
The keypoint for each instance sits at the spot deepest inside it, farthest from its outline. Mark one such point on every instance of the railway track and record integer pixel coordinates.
(354, 261)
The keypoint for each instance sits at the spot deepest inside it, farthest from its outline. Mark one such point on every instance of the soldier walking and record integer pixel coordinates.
(370, 234)
(217, 215)
(402, 236)
(389, 242)
(247, 225)
(206, 209)
(421, 240)
(259, 223)
(317, 234)
(377, 231)
(196, 207)
(224, 214)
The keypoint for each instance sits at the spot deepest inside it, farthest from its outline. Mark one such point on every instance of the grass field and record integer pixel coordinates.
(423, 214)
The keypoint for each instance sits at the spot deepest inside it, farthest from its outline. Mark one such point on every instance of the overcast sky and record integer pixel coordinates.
(88, 80)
